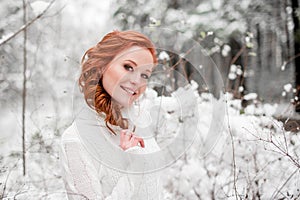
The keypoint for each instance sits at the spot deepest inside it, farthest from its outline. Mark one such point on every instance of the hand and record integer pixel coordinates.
(128, 139)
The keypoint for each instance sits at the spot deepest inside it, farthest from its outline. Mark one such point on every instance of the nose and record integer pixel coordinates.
(135, 78)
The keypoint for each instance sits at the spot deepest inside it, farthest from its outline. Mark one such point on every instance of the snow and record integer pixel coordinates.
(269, 109)
(288, 87)
(5, 37)
(260, 168)
(39, 6)
(215, 49)
(239, 71)
(241, 88)
(233, 68)
(216, 4)
(245, 4)
(232, 76)
(283, 66)
(289, 10)
(8, 129)
(255, 159)
(192, 173)
(290, 26)
(204, 7)
(226, 49)
(164, 56)
(210, 33)
(172, 15)
(247, 39)
(218, 41)
(249, 73)
(250, 96)
(154, 22)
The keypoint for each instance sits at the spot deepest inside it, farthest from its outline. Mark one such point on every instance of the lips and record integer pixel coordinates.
(129, 90)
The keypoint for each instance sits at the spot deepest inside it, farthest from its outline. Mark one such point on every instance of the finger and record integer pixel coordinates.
(122, 134)
(141, 141)
(132, 141)
(128, 132)
(129, 135)
(122, 139)
(125, 135)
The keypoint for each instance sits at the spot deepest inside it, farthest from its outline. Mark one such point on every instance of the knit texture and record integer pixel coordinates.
(87, 178)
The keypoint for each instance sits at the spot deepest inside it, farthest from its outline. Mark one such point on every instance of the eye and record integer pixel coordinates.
(128, 67)
(145, 76)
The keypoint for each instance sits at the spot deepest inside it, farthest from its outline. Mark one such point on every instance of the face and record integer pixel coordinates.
(125, 78)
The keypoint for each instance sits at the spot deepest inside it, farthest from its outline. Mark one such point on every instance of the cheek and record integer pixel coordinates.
(110, 80)
(143, 88)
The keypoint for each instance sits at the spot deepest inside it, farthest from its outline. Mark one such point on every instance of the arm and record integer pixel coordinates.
(81, 176)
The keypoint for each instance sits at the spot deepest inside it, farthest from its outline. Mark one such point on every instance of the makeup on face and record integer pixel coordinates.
(126, 77)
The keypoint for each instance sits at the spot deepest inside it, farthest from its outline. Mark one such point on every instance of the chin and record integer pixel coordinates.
(126, 101)
(125, 104)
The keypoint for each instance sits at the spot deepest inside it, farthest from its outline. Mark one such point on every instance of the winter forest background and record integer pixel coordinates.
(254, 44)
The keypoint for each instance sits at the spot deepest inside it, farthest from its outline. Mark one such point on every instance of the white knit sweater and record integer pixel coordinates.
(87, 178)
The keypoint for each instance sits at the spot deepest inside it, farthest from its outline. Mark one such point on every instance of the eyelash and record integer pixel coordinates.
(130, 68)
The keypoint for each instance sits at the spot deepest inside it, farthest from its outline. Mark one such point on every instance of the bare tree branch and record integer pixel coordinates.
(24, 87)
(6, 180)
(233, 155)
(285, 182)
(280, 150)
(22, 28)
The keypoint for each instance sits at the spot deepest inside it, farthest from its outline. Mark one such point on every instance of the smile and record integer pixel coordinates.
(128, 90)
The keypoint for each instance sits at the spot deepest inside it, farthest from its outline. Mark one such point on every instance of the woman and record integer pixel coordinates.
(94, 150)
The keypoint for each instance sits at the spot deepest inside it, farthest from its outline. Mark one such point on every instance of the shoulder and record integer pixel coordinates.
(70, 134)
(70, 142)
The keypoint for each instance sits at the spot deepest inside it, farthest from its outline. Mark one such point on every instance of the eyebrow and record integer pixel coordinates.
(136, 65)
(132, 62)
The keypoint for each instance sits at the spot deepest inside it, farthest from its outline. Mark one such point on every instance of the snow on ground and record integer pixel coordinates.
(265, 156)
(252, 156)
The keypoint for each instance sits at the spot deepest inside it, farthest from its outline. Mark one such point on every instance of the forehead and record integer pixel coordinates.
(139, 55)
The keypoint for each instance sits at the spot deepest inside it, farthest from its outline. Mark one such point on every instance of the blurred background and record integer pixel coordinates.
(254, 44)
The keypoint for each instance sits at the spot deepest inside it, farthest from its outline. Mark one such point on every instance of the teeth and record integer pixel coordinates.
(128, 90)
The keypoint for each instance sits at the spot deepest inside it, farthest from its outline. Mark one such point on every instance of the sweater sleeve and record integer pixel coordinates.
(81, 176)
(147, 185)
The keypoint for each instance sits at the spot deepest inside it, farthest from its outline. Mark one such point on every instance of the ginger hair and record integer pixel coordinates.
(96, 60)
